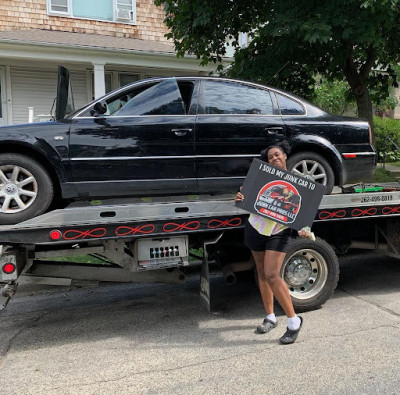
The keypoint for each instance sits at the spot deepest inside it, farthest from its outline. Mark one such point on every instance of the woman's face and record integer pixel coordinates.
(277, 158)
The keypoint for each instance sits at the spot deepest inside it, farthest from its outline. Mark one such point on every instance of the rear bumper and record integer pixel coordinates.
(357, 166)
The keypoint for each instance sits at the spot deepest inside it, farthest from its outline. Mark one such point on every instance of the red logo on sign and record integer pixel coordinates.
(278, 200)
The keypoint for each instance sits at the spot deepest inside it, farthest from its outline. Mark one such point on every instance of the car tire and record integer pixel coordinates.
(311, 272)
(314, 166)
(26, 189)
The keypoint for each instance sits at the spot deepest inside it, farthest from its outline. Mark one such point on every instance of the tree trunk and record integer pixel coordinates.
(364, 106)
(364, 109)
(361, 94)
(357, 81)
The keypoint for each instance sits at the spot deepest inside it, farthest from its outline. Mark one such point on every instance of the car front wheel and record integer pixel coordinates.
(26, 190)
(313, 166)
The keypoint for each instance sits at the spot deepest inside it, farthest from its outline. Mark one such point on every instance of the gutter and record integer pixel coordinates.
(125, 51)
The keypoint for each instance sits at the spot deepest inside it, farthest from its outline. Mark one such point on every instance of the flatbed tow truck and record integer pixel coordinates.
(151, 240)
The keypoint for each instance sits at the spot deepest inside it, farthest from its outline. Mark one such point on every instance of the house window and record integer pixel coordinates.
(125, 79)
(114, 80)
(102, 10)
(59, 6)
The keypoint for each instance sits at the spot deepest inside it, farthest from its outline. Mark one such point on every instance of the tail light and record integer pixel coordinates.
(349, 156)
(9, 268)
(55, 235)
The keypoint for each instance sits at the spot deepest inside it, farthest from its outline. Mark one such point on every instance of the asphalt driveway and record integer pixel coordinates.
(158, 339)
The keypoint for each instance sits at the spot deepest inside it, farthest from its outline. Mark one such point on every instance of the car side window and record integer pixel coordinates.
(157, 98)
(163, 98)
(289, 106)
(232, 98)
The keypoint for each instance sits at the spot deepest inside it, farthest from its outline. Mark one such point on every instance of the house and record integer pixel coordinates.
(104, 43)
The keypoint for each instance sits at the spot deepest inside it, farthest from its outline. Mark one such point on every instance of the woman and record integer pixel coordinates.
(268, 242)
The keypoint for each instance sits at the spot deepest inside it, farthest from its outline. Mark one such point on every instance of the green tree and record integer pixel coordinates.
(333, 96)
(294, 41)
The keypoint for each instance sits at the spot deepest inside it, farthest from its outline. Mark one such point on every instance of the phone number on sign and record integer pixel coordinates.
(379, 198)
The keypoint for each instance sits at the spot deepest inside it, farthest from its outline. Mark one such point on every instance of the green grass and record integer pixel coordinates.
(397, 164)
(381, 175)
(89, 259)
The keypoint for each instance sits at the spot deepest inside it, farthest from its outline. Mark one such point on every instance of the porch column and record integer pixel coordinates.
(99, 80)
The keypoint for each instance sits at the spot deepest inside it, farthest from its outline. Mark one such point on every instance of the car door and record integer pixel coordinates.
(143, 144)
(235, 122)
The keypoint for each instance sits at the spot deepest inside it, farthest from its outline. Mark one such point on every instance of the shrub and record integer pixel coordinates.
(387, 136)
(333, 96)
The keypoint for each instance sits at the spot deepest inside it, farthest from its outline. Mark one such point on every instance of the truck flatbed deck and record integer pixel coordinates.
(150, 239)
(176, 215)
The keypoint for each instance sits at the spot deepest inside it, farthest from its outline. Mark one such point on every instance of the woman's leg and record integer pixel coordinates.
(265, 290)
(272, 266)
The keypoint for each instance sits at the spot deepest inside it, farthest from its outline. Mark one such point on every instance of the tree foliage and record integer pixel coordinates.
(333, 96)
(387, 138)
(291, 42)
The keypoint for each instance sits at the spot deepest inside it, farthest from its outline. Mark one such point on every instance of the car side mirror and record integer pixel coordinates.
(99, 108)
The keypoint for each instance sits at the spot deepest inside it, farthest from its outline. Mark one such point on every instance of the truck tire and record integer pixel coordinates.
(311, 272)
(310, 164)
(26, 190)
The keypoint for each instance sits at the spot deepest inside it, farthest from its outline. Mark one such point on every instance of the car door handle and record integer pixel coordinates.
(181, 132)
(274, 129)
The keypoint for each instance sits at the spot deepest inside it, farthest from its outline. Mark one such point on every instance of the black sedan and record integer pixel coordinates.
(168, 136)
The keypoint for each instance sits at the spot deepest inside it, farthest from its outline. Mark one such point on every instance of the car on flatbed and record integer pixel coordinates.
(166, 136)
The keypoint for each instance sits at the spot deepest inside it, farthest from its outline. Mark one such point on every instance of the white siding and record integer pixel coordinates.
(79, 88)
(32, 88)
(38, 88)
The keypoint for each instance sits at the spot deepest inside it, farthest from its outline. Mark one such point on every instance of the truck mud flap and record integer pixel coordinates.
(205, 288)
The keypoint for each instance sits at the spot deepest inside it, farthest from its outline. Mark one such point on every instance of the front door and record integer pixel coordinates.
(143, 144)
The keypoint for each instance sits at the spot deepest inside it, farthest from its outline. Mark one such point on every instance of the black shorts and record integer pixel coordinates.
(258, 242)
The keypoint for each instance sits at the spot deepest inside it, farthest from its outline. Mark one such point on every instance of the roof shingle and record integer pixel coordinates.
(79, 40)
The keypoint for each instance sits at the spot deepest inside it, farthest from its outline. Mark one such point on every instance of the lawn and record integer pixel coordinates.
(92, 259)
(381, 175)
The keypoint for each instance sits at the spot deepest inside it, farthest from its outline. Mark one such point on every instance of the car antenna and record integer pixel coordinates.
(278, 72)
(51, 109)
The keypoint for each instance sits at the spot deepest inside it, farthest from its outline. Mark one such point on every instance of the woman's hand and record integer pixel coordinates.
(306, 232)
(239, 197)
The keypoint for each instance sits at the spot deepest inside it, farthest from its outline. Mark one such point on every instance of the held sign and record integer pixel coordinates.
(281, 196)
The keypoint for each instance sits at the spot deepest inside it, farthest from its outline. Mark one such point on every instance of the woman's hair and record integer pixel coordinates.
(282, 145)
